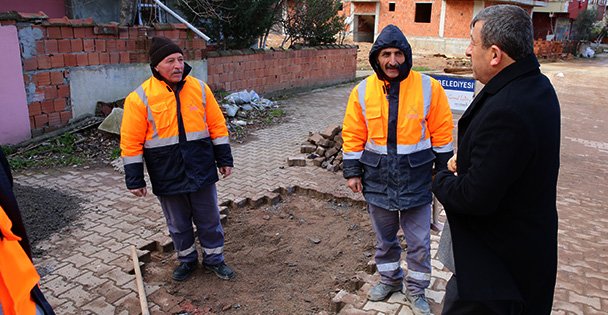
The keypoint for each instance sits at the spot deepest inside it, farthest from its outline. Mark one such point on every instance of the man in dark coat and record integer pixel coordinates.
(501, 202)
(8, 204)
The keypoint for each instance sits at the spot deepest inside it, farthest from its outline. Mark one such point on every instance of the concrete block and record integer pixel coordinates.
(326, 143)
(315, 138)
(296, 161)
(331, 131)
(331, 152)
(308, 148)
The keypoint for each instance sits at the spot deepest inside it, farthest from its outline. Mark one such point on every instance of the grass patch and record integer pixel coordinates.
(421, 68)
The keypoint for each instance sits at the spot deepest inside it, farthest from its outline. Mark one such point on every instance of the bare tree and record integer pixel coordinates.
(127, 10)
(205, 9)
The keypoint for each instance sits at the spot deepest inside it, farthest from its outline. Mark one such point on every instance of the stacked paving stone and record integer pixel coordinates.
(325, 148)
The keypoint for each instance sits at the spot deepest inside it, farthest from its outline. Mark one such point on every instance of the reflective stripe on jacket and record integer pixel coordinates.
(398, 170)
(18, 275)
(180, 148)
(425, 119)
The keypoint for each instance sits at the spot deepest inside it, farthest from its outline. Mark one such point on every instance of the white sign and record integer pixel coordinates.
(460, 91)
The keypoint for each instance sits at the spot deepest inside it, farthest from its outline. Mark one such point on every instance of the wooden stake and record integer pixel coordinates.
(140, 283)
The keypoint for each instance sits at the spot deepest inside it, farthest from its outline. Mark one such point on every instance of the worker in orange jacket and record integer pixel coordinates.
(173, 123)
(19, 291)
(397, 123)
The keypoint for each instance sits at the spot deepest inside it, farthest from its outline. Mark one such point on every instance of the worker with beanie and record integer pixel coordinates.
(173, 123)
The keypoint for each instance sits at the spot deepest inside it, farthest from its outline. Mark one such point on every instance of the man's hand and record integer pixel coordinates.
(354, 183)
(139, 192)
(225, 171)
(452, 164)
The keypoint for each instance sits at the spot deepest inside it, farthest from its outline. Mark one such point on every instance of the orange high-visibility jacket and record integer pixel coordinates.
(17, 273)
(425, 118)
(150, 132)
(396, 170)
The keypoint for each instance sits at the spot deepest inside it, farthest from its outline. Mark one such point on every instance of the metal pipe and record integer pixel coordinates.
(175, 15)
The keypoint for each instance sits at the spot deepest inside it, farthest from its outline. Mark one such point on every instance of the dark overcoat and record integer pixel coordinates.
(502, 204)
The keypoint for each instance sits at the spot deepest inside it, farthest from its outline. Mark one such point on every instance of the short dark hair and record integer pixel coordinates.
(507, 26)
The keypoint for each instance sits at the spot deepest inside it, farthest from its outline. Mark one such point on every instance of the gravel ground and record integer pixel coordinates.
(45, 211)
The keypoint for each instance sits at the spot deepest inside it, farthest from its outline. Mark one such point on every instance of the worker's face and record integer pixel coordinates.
(172, 67)
(390, 59)
(480, 57)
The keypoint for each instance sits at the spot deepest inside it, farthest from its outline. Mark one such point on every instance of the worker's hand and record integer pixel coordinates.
(225, 171)
(139, 192)
(452, 164)
(354, 183)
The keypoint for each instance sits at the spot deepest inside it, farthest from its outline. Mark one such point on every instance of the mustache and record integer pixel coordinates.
(396, 66)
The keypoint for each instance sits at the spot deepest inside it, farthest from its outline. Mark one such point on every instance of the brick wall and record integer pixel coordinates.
(52, 48)
(267, 71)
(58, 45)
(458, 16)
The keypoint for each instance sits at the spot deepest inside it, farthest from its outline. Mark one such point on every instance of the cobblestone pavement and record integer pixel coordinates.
(84, 270)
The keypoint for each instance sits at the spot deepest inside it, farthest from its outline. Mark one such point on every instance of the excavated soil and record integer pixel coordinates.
(290, 258)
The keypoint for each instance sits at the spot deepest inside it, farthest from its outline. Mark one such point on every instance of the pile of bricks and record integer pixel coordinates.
(324, 149)
(548, 49)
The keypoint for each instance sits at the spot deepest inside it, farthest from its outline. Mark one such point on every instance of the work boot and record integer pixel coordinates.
(381, 291)
(418, 303)
(221, 270)
(184, 270)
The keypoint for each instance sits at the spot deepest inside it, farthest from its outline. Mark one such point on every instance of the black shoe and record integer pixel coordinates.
(221, 270)
(184, 270)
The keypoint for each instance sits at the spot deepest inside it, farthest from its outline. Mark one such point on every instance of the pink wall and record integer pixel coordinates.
(14, 116)
(52, 8)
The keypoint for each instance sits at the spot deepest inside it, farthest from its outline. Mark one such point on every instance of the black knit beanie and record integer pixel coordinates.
(162, 47)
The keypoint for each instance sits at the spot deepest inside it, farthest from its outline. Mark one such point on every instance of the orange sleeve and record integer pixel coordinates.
(133, 128)
(440, 120)
(354, 129)
(215, 118)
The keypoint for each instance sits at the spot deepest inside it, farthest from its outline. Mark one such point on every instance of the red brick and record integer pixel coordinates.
(35, 109)
(41, 120)
(121, 45)
(57, 77)
(80, 32)
(42, 78)
(111, 44)
(70, 60)
(67, 32)
(65, 117)
(104, 58)
(88, 44)
(82, 59)
(63, 46)
(100, 45)
(63, 90)
(40, 47)
(50, 92)
(53, 32)
(54, 119)
(133, 33)
(77, 45)
(47, 106)
(124, 57)
(56, 61)
(114, 57)
(88, 32)
(44, 62)
(123, 32)
(30, 64)
(59, 104)
(93, 58)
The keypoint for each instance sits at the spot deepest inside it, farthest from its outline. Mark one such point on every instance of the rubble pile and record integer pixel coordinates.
(325, 148)
(244, 107)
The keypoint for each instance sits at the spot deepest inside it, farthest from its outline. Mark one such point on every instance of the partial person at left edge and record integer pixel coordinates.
(19, 290)
(173, 123)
